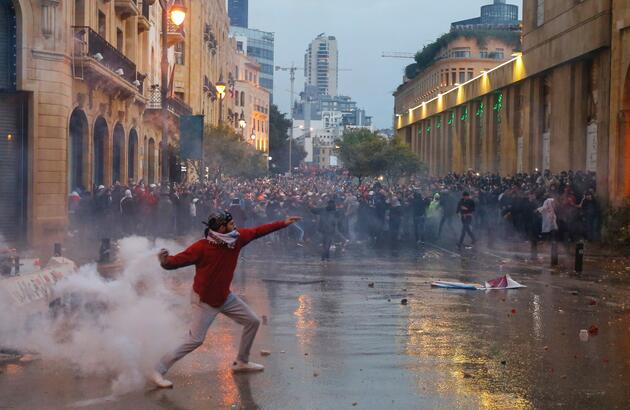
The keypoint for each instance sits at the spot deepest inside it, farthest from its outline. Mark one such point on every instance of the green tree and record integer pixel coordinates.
(279, 142)
(361, 152)
(367, 154)
(226, 154)
(401, 161)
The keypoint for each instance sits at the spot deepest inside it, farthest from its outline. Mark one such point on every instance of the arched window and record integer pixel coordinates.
(118, 153)
(132, 154)
(77, 146)
(151, 161)
(98, 152)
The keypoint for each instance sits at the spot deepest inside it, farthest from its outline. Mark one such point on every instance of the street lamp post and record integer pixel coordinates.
(221, 93)
(242, 124)
(177, 13)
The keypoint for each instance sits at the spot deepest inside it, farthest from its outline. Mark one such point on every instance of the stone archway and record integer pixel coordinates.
(151, 161)
(77, 145)
(101, 131)
(118, 153)
(132, 155)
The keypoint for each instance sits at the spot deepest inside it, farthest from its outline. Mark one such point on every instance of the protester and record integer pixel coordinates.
(466, 209)
(363, 209)
(215, 258)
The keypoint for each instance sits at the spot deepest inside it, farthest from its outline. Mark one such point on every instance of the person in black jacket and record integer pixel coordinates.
(466, 209)
(327, 226)
(419, 208)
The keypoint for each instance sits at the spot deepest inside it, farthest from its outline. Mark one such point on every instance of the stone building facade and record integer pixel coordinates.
(80, 100)
(252, 104)
(560, 105)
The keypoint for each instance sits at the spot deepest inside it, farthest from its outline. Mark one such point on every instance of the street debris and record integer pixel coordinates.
(584, 335)
(265, 353)
(371, 284)
(500, 283)
(403, 302)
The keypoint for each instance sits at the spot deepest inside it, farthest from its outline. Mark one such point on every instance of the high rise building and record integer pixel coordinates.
(258, 45)
(238, 12)
(321, 65)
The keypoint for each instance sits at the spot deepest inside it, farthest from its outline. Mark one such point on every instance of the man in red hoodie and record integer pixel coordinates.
(215, 260)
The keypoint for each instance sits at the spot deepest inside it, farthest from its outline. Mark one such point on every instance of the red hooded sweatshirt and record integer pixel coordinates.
(215, 264)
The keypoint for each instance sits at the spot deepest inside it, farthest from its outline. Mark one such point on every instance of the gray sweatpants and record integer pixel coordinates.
(202, 317)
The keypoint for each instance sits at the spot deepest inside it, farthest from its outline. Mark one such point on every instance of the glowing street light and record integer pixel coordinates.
(221, 86)
(241, 122)
(178, 12)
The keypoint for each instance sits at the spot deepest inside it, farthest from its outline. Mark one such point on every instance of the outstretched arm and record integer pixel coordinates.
(248, 235)
(182, 259)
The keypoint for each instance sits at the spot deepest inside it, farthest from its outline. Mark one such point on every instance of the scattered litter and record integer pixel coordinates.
(467, 376)
(503, 362)
(354, 404)
(584, 335)
(265, 353)
(593, 330)
(403, 302)
(282, 351)
(575, 293)
(389, 300)
(502, 282)
(305, 354)
(513, 311)
(371, 284)
(315, 374)
(592, 302)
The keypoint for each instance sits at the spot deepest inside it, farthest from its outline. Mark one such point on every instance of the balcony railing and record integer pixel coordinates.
(173, 104)
(90, 45)
(127, 8)
(175, 34)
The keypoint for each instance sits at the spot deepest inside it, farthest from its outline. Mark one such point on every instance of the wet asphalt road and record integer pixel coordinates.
(338, 343)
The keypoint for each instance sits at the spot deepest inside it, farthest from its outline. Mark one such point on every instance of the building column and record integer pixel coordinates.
(561, 118)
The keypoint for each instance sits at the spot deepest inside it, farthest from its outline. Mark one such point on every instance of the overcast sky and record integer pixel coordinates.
(364, 29)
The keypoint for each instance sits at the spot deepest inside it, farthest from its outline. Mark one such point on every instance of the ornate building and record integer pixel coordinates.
(81, 98)
(252, 104)
(560, 105)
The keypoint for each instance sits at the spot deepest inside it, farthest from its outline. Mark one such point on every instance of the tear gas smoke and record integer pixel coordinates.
(117, 329)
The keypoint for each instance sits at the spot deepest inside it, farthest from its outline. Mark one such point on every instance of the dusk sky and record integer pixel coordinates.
(364, 29)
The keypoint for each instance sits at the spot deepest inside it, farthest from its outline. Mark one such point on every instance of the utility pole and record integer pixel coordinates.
(291, 71)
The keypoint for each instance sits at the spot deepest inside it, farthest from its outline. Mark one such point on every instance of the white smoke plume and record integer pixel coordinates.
(114, 328)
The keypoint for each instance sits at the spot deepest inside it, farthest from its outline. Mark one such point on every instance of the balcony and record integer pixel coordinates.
(176, 109)
(174, 105)
(175, 34)
(126, 8)
(143, 19)
(97, 61)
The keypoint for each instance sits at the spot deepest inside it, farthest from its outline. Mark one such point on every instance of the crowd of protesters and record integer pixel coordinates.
(339, 209)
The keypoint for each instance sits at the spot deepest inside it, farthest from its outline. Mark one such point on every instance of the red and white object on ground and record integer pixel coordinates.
(502, 282)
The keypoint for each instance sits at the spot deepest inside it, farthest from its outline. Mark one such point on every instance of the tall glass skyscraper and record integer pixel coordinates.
(239, 13)
(258, 45)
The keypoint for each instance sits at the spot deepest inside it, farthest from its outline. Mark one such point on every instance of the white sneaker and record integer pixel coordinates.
(241, 367)
(160, 381)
